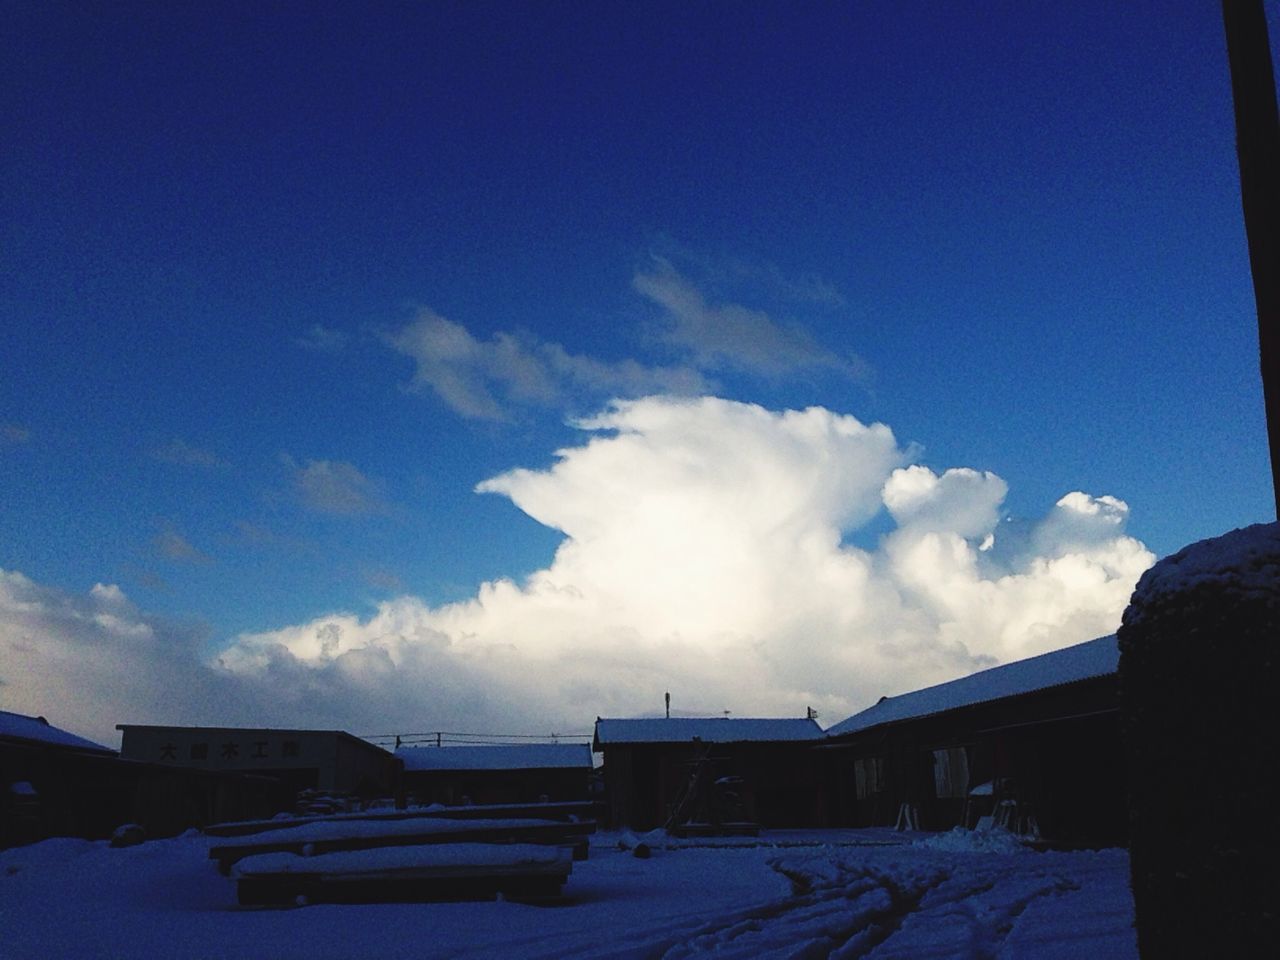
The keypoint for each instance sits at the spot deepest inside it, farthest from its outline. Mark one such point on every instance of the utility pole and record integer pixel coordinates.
(1253, 90)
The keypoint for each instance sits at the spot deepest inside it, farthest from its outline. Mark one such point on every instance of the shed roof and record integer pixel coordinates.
(250, 731)
(1094, 658)
(16, 726)
(525, 756)
(708, 730)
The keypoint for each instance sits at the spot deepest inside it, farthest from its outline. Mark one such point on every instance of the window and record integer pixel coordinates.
(868, 775)
(950, 772)
(199, 751)
(290, 749)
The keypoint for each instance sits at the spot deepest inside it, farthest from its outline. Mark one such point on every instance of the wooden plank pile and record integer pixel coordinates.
(464, 871)
(572, 811)
(406, 856)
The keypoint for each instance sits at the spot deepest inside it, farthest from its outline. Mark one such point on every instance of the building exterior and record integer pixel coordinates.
(761, 767)
(43, 773)
(1033, 744)
(327, 760)
(56, 784)
(524, 773)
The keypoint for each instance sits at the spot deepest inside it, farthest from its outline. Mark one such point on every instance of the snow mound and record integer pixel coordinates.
(1244, 562)
(960, 840)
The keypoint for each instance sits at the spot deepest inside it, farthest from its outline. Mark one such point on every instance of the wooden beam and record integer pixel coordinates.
(1253, 91)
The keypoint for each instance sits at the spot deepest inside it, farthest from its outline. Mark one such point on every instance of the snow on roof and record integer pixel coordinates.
(1094, 658)
(708, 730)
(250, 731)
(526, 756)
(15, 726)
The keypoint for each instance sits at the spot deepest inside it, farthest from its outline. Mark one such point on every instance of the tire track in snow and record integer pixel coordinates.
(964, 909)
(844, 916)
(868, 913)
(970, 917)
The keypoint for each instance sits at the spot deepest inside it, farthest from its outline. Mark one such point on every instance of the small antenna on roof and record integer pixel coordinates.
(667, 697)
(810, 713)
(726, 714)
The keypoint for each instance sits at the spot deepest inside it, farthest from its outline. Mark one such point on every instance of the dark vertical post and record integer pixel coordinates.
(1253, 91)
(1201, 725)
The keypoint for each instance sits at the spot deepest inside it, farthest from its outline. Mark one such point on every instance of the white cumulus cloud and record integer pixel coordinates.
(706, 552)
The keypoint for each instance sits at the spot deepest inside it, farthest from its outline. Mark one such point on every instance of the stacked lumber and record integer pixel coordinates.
(572, 811)
(332, 836)
(429, 854)
(464, 871)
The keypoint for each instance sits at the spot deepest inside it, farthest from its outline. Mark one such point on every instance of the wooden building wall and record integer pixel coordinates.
(317, 759)
(1056, 752)
(644, 782)
(82, 794)
(498, 786)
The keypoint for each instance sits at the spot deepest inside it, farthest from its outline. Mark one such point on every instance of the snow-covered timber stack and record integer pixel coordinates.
(1201, 720)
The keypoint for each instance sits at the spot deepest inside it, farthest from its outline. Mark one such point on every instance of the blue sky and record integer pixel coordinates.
(282, 283)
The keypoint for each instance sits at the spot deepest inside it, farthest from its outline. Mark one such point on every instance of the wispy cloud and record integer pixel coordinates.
(335, 487)
(256, 535)
(487, 379)
(322, 339)
(804, 288)
(471, 375)
(382, 579)
(750, 279)
(726, 334)
(172, 545)
(184, 454)
(13, 433)
(495, 377)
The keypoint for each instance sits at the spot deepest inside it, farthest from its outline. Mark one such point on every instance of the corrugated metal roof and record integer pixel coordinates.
(1094, 658)
(708, 730)
(16, 726)
(525, 756)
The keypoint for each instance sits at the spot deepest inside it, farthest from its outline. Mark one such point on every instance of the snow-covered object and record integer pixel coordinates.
(1094, 658)
(128, 835)
(1201, 725)
(75, 898)
(464, 857)
(16, 726)
(1244, 563)
(531, 756)
(708, 730)
(654, 838)
(959, 840)
(327, 830)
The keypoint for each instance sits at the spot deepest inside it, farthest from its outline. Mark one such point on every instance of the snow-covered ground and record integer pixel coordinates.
(844, 894)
